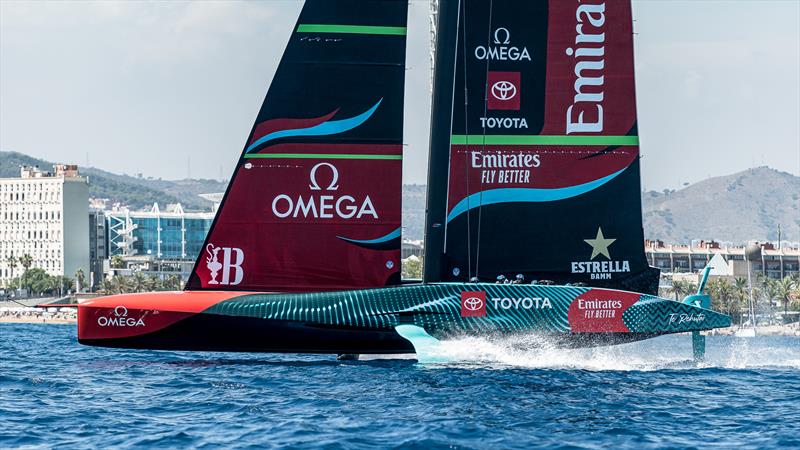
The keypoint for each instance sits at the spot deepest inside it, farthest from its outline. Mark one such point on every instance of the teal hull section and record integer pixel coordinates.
(440, 309)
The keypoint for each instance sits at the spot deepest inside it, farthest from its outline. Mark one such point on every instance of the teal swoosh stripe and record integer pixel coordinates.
(392, 235)
(525, 195)
(321, 156)
(351, 29)
(476, 139)
(323, 129)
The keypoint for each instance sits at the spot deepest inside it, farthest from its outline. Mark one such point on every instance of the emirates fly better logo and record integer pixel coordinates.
(473, 304)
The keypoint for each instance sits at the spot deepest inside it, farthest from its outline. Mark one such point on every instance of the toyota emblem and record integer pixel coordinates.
(504, 90)
(473, 303)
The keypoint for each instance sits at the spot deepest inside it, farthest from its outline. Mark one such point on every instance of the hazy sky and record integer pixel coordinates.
(165, 88)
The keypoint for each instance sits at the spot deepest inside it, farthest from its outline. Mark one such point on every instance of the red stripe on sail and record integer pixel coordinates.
(270, 126)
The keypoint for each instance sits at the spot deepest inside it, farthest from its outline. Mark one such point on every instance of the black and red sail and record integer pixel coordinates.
(315, 200)
(543, 158)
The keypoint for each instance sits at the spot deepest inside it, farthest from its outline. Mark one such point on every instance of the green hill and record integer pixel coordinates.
(737, 208)
(135, 192)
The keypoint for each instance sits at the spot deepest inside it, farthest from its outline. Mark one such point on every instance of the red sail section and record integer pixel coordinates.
(294, 223)
(590, 69)
(589, 91)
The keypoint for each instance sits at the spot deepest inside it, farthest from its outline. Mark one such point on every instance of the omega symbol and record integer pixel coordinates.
(313, 177)
(500, 31)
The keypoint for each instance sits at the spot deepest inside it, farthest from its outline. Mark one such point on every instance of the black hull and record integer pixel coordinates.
(211, 332)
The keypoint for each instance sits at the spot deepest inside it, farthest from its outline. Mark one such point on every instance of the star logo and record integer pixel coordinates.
(600, 244)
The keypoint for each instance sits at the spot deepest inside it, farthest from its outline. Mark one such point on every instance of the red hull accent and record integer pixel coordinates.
(600, 311)
(127, 315)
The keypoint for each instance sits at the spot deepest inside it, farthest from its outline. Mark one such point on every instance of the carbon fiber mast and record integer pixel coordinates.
(439, 158)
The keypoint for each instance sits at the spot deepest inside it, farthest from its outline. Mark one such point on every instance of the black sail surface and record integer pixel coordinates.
(542, 173)
(315, 199)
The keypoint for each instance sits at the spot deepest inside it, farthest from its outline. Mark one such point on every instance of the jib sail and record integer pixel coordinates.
(543, 155)
(315, 200)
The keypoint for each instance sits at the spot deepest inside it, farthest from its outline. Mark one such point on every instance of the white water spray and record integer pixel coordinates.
(667, 352)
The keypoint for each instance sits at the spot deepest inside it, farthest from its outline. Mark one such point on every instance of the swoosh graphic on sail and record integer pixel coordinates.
(386, 242)
(273, 125)
(525, 195)
(323, 129)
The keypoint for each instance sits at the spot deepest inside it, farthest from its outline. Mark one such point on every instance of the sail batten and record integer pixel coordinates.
(579, 140)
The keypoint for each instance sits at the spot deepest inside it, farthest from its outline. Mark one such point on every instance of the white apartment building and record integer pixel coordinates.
(45, 215)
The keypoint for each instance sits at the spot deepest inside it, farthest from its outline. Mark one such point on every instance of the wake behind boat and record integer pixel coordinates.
(533, 172)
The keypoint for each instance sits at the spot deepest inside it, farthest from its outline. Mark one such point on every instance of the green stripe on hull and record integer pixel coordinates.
(473, 139)
(351, 29)
(321, 156)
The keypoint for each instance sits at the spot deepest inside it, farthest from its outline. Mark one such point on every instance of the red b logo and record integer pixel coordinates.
(473, 304)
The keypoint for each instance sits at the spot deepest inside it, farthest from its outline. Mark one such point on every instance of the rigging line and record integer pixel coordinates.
(452, 119)
(483, 144)
(466, 129)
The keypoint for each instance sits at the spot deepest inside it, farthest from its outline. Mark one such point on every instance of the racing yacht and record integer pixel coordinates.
(533, 175)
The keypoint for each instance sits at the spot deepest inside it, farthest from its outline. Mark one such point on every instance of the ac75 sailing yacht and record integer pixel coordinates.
(534, 170)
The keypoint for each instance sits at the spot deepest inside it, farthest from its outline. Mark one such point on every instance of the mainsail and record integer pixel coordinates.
(539, 174)
(315, 200)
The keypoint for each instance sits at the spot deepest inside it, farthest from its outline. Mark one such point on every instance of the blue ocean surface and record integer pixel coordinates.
(56, 393)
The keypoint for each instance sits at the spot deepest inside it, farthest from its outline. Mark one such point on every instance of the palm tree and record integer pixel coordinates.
(784, 290)
(49, 284)
(154, 283)
(106, 286)
(67, 283)
(682, 288)
(723, 296)
(741, 293)
(768, 291)
(80, 277)
(26, 261)
(120, 284)
(12, 264)
(173, 283)
(139, 282)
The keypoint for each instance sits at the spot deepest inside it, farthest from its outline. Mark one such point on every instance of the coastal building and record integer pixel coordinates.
(98, 247)
(44, 214)
(776, 262)
(215, 198)
(412, 248)
(156, 241)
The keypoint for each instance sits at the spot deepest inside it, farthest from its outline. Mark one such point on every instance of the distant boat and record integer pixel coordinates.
(533, 175)
(745, 332)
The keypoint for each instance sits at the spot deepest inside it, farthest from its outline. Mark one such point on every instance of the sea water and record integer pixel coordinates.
(56, 393)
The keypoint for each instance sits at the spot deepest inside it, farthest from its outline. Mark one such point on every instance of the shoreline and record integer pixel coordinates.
(40, 320)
